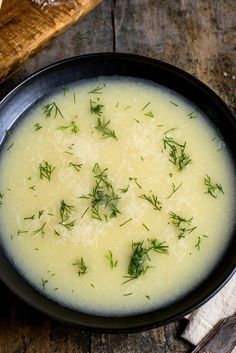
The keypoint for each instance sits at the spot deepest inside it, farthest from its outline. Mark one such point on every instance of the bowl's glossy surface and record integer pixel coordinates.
(44, 82)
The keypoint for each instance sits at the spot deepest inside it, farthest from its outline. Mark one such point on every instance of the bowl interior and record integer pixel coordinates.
(44, 82)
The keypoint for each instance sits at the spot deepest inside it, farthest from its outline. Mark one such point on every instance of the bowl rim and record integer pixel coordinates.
(106, 322)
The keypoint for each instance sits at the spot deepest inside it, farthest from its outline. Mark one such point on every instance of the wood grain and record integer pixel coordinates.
(26, 28)
(197, 36)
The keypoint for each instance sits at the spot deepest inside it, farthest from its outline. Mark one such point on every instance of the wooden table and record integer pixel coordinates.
(197, 36)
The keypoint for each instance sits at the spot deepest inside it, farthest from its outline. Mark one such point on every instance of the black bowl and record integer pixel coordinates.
(44, 82)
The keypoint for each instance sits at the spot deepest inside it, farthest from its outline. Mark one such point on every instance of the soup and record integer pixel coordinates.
(117, 196)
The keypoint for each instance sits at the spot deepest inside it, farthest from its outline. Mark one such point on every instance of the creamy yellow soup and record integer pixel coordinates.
(117, 196)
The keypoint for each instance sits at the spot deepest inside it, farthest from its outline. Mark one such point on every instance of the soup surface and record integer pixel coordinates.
(117, 196)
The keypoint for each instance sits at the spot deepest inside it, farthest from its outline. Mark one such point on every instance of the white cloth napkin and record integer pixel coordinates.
(202, 320)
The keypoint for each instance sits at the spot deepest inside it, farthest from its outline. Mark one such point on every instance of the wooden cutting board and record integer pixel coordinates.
(26, 28)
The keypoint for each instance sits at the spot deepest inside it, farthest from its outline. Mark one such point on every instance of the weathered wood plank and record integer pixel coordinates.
(161, 340)
(26, 28)
(23, 330)
(197, 36)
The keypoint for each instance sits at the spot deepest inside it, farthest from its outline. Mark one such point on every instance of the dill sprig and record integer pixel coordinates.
(150, 114)
(46, 170)
(73, 127)
(103, 196)
(96, 108)
(37, 127)
(9, 147)
(140, 256)
(153, 200)
(76, 166)
(174, 189)
(212, 188)
(122, 224)
(97, 90)
(30, 218)
(65, 212)
(44, 282)
(184, 225)
(19, 232)
(103, 127)
(82, 267)
(1, 199)
(177, 153)
(136, 182)
(113, 263)
(52, 110)
(40, 230)
(192, 115)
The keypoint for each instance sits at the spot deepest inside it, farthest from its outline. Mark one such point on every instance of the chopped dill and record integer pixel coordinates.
(44, 282)
(37, 127)
(128, 107)
(73, 127)
(113, 263)
(172, 129)
(65, 212)
(177, 153)
(65, 90)
(103, 127)
(140, 255)
(148, 297)
(1, 199)
(82, 268)
(150, 114)
(197, 245)
(136, 182)
(96, 108)
(117, 104)
(52, 110)
(46, 170)
(153, 200)
(146, 227)
(212, 188)
(85, 212)
(74, 98)
(174, 189)
(19, 232)
(124, 190)
(145, 106)
(31, 217)
(96, 90)
(76, 166)
(40, 230)
(32, 187)
(122, 224)
(174, 103)
(184, 225)
(57, 233)
(40, 213)
(103, 196)
(127, 294)
(8, 148)
(92, 285)
(192, 115)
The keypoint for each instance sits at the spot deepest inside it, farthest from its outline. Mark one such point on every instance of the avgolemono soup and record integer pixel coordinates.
(117, 196)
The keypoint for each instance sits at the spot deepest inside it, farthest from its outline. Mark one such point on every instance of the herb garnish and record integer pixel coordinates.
(82, 268)
(177, 153)
(8, 148)
(37, 127)
(153, 200)
(41, 229)
(174, 189)
(46, 170)
(44, 282)
(65, 90)
(96, 108)
(146, 227)
(40, 213)
(65, 211)
(72, 126)
(182, 224)
(102, 126)
(150, 114)
(113, 263)
(192, 115)
(1, 199)
(103, 195)
(140, 255)
(174, 103)
(19, 232)
(97, 90)
(136, 182)
(76, 166)
(51, 109)
(145, 106)
(122, 224)
(31, 217)
(212, 188)
(127, 294)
